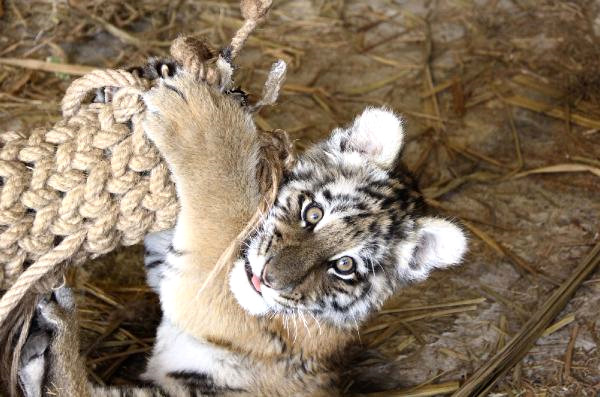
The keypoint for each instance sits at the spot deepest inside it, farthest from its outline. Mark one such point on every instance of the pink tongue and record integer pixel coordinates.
(256, 282)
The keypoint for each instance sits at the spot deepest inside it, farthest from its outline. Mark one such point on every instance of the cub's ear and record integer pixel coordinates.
(377, 133)
(438, 243)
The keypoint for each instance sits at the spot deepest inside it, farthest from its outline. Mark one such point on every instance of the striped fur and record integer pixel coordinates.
(278, 321)
(372, 212)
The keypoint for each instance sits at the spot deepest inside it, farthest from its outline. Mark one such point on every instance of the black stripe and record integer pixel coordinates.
(301, 199)
(343, 144)
(372, 193)
(320, 185)
(153, 264)
(201, 382)
(173, 251)
(176, 90)
(339, 308)
(268, 244)
(345, 207)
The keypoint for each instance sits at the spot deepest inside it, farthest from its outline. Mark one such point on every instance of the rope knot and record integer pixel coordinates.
(126, 102)
(197, 58)
(85, 86)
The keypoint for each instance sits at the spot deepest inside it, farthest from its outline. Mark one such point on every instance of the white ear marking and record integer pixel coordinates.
(377, 133)
(438, 244)
(441, 243)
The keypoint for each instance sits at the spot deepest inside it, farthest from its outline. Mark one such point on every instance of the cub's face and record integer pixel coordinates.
(345, 231)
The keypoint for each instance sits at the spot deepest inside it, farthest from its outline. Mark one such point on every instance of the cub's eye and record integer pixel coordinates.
(313, 214)
(345, 265)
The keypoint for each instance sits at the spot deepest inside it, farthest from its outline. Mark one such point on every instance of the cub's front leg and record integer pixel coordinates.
(211, 146)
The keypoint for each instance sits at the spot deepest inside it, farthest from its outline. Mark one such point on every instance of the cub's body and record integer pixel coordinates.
(346, 231)
(212, 146)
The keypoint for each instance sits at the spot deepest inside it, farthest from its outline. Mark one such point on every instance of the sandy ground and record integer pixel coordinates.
(485, 62)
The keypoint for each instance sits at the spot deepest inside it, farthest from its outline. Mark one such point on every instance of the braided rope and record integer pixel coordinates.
(77, 91)
(89, 184)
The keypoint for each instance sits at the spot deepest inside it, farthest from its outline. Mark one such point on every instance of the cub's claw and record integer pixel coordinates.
(157, 68)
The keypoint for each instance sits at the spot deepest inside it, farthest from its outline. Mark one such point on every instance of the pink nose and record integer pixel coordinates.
(256, 283)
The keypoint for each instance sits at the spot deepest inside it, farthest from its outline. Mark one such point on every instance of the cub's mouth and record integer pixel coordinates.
(252, 279)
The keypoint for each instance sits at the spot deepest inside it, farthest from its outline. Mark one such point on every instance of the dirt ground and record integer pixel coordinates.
(489, 89)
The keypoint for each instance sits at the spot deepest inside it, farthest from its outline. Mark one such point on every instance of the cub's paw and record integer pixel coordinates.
(181, 112)
(57, 313)
(184, 112)
(54, 313)
(32, 366)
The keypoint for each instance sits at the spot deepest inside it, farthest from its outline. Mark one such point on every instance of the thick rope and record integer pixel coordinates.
(79, 190)
(82, 87)
(65, 250)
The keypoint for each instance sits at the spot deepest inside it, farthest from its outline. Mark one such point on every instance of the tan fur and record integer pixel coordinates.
(218, 197)
(67, 368)
(211, 148)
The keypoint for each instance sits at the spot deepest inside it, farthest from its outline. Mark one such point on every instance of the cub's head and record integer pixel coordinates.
(346, 230)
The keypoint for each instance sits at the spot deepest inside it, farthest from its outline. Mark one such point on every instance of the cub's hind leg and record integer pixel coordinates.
(50, 362)
(52, 366)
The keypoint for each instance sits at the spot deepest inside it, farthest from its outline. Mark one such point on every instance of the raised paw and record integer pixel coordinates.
(57, 311)
(183, 115)
(169, 117)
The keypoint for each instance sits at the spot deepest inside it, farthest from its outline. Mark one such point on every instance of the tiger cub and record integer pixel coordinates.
(347, 230)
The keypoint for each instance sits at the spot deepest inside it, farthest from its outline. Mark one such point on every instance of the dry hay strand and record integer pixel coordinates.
(482, 381)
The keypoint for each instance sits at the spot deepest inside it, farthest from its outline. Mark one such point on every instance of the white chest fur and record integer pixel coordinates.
(176, 351)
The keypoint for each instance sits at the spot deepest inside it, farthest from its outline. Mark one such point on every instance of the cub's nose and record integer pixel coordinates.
(265, 277)
(285, 270)
(271, 276)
